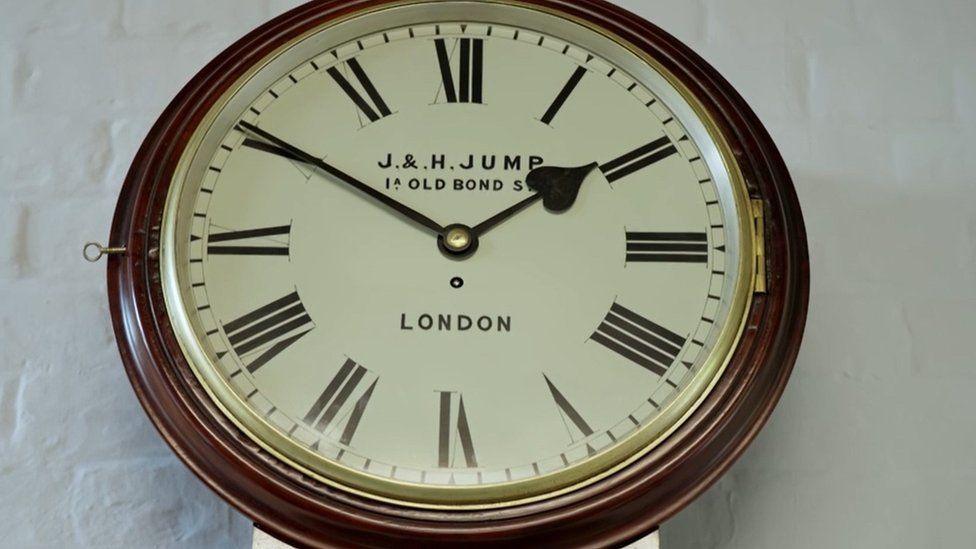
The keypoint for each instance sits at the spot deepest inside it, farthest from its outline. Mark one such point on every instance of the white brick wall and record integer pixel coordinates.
(873, 103)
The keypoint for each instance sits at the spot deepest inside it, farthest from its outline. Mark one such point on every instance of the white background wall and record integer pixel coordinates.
(873, 103)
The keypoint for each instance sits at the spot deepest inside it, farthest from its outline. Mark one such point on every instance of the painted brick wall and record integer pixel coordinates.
(873, 103)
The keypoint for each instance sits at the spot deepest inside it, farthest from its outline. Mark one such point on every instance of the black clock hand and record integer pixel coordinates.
(260, 145)
(497, 219)
(558, 188)
(298, 154)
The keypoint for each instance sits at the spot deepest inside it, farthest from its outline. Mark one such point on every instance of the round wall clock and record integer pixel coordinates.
(487, 271)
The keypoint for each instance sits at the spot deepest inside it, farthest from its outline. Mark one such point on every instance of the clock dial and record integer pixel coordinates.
(569, 332)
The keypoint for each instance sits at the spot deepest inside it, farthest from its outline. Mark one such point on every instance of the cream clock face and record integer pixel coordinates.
(343, 336)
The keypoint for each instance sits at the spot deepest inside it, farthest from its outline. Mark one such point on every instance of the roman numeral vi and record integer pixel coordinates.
(453, 423)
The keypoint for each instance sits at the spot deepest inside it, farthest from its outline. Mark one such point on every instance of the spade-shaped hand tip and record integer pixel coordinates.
(559, 187)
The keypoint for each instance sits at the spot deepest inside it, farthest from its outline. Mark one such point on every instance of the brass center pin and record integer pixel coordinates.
(458, 239)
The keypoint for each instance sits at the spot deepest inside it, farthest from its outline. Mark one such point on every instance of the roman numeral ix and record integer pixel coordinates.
(638, 159)
(378, 109)
(259, 242)
(638, 339)
(453, 429)
(471, 69)
(667, 247)
(331, 406)
(268, 330)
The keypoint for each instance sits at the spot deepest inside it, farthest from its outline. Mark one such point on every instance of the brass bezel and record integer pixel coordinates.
(585, 473)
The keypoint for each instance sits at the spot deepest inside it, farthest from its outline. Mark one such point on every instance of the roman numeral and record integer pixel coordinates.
(269, 330)
(564, 94)
(261, 242)
(452, 429)
(667, 247)
(638, 159)
(471, 70)
(327, 408)
(301, 164)
(568, 412)
(378, 109)
(271, 149)
(638, 339)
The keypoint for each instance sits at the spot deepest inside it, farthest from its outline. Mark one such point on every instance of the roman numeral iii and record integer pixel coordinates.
(265, 241)
(453, 431)
(336, 403)
(638, 339)
(267, 331)
(638, 159)
(375, 107)
(465, 86)
(667, 247)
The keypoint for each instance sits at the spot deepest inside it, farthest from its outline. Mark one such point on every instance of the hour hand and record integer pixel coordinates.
(559, 187)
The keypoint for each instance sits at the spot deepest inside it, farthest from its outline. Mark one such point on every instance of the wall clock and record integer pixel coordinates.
(428, 272)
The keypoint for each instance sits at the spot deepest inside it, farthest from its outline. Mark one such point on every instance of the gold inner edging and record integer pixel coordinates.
(627, 451)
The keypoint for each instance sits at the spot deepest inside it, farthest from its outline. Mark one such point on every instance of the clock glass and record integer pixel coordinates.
(454, 254)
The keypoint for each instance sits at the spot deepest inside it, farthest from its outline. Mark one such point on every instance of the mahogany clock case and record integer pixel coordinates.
(302, 511)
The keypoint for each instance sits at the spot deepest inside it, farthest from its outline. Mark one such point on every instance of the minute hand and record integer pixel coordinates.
(402, 209)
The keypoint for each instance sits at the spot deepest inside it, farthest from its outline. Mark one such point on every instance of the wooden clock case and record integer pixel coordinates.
(305, 512)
